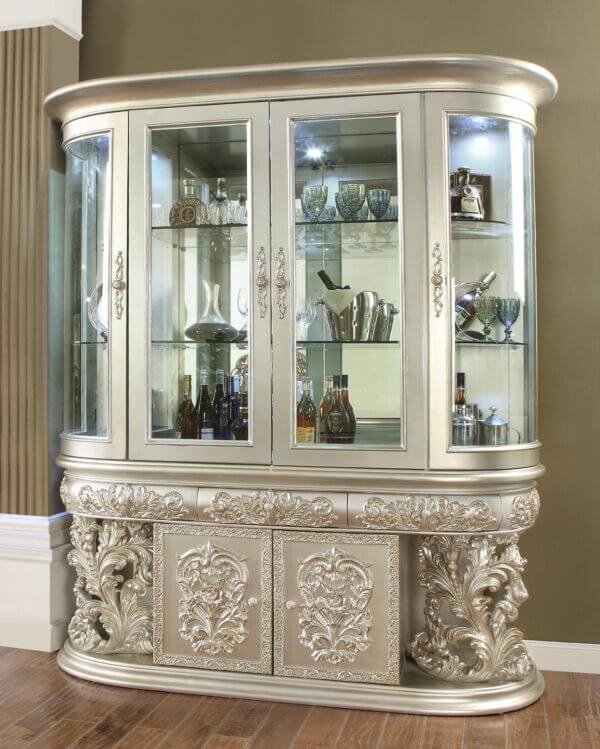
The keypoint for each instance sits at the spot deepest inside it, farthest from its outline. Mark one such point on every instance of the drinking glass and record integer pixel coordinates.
(508, 313)
(486, 309)
(305, 314)
(379, 202)
(313, 200)
(353, 197)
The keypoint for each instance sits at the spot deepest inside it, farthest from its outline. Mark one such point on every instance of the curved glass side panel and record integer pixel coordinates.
(493, 276)
(87, 280)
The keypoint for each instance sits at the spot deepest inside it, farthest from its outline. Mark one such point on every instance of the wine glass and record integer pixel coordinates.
(353, 197)
(313, 201)
(305, 314)
(486, 309)
(508, 313)
(378, 202)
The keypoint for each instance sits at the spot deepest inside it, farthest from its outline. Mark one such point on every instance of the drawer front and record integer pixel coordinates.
(336, 606)
(273, 507)
(212, 597)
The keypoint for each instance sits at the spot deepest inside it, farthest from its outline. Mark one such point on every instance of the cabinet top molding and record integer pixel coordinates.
(522, 80)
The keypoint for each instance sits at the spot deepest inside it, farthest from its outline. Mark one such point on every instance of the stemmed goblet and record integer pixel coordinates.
(379, 202)
(313, 201)
(305, 314)
(508, 313)
(486, 309)
(352, 197)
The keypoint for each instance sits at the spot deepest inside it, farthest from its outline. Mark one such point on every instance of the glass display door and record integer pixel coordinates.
(200, 320)
(95, 287)
(348, 215)
(482, 291)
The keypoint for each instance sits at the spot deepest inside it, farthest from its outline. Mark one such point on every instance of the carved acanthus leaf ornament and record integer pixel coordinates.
(427, 514)
(125, 501)
(271, 508)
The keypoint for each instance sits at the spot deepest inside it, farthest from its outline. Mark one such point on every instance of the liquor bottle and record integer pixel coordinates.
(234, 397)
(186, 426)
(220, 407)
(239, 427)
(459, 393)
(349, 437)
(306, 416)
(188, 210)
(221, 210)
(242, 209)
(337, 417)
(465, 198)
(464, 305)
(328, 283)
(206, 429)
(324, 408)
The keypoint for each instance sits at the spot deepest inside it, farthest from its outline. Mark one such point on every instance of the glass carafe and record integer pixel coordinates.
(212, 326)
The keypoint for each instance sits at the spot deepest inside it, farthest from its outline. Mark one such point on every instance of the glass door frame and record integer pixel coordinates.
(410, 153)
(438, 108)
(142, 122)
(114, 445)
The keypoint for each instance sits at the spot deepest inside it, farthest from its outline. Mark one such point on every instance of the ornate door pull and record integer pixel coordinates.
(281, 283)
(262, 282)
(437, 280)
(118, 284)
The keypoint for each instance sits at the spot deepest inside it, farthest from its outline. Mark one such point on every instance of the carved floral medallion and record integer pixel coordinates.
(427, 514)
(525, 509)
(479, 579)
(334, 617)
(271, 508)
(212, 584)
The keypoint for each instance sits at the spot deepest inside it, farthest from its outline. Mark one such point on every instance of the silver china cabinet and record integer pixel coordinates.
(300, 440)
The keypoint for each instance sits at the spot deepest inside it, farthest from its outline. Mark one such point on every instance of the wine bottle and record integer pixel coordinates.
(351, 433)
(206, 428)
(328, 283)
(186, 426)
(306, 416)
(239, 428)
(464, 306)
(220, 407)
(337, 417)
(324, 408)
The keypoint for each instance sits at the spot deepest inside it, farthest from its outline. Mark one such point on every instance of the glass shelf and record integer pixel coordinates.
(485, 344)
(90, 343)
(200, 227)
(480, 229)
(346, 343)
(201, 343)
(341, 222)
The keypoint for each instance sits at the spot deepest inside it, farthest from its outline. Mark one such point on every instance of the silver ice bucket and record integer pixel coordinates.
(385, 321)
(356, 321)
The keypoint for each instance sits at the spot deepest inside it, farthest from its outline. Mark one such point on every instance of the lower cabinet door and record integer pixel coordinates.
(336, 605)
(212, 597)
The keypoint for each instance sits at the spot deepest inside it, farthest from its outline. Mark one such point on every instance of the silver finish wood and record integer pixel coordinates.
(497, 75)
(141, 445)
(114, 445)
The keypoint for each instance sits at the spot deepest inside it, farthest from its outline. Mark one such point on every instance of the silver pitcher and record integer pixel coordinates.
(356, 322)
(464, 427)
(385, 320)
(495, 430)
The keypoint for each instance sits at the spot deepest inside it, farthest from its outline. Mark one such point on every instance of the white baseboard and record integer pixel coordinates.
(576, 657)
(36, 582)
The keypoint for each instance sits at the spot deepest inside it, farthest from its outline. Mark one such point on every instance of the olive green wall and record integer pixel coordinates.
(133, 36)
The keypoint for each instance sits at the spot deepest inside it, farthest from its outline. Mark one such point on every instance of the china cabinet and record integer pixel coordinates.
(300, 400)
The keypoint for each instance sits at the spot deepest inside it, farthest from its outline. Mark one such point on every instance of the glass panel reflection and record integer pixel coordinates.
(87, 278)
(348, 291)
(493, 275)
(200, 369)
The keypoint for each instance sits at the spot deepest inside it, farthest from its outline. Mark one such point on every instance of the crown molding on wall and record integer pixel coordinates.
(45, 22)
(63, 14)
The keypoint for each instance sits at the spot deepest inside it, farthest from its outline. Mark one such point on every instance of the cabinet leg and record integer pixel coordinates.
(477, 579)
(113, 562)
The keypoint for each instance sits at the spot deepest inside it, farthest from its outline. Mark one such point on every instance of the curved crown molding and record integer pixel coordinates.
(479, 73)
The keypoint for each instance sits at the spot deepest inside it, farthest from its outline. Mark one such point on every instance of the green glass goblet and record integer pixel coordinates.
(313, 201)
(486, 309)
(353, 197)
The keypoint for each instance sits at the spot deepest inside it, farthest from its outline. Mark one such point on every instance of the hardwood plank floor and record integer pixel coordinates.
(43, 708)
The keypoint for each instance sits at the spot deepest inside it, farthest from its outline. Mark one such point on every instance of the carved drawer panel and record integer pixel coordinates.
(420, 513)
(128, 500)
(212, 597)
(273, 507)
(336, 599)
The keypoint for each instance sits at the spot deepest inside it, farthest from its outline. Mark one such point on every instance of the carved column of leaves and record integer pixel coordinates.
(479, 577)
(113, 561)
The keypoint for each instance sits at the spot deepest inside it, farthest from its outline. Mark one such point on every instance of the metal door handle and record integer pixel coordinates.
(281, 283)
(119, 284)
(437, 280)
(262, 282)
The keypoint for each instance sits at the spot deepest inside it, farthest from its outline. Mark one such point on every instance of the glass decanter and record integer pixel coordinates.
(221, 210)
(212, 326)
(188, 210)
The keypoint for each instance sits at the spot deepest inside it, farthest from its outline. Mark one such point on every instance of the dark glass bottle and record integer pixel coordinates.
(239, 427)
(306, 416)
(337, 418)
(218, 396)
(186, 426)
(324, 408)
(351, 434)
(459, 393)
(206, 429)
(234, 397)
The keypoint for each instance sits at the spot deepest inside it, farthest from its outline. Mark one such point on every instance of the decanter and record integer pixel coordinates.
(221, 210)
(212, 326)
(188, 210)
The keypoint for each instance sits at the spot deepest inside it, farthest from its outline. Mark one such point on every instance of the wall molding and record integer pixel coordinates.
(34, 24)
(576, 657)
(65, 15)
(36, 582)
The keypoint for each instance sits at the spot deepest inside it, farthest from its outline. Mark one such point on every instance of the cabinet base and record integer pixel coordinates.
(417, 692)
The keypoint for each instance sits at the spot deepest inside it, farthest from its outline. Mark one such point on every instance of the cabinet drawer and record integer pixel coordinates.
(336, 598)
(212, 597)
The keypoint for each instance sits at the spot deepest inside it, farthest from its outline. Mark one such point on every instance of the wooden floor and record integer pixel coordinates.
(42, 707)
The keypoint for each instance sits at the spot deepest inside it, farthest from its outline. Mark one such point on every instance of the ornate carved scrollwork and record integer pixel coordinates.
(281, 283)
(525, 509)
(262, 282)
(334, 617)
(212, 612)
(113, 562)
(480, 579)
(125, 501)
(271, 508)
(437, 280)
(427, 514)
